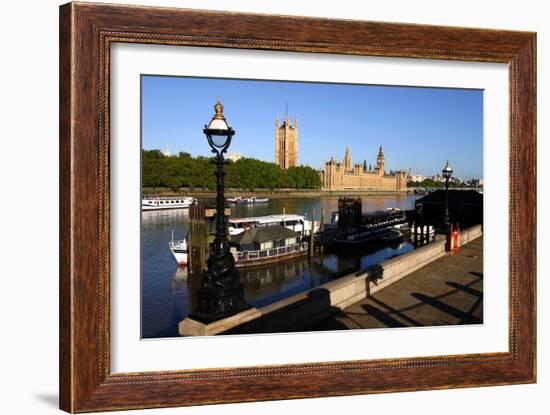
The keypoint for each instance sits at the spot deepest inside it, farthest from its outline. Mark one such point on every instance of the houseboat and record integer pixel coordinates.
(159, 203)
(264, 245)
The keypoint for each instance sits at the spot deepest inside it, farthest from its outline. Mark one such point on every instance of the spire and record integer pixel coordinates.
(364, 165)
(167, 151)
(380, 161)
(347, 159)
(286, 112)
(277, 120)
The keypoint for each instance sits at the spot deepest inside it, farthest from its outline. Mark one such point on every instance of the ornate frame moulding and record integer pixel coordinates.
(86, 33)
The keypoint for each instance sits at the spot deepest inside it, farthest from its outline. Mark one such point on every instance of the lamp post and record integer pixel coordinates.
(447, 174)
(222, 293)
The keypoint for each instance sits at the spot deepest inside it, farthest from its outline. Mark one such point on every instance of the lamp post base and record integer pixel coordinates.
(222, 293)
(219, 301)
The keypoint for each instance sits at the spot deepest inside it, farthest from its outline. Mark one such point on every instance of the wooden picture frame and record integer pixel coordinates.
(86, 33)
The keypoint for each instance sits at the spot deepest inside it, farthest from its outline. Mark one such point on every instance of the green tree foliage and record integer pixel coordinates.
(430, 183)
(197, 173)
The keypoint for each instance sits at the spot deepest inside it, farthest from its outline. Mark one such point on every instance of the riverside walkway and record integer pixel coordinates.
(448, 291)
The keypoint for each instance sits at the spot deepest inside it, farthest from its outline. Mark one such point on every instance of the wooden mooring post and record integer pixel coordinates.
(198, 249)
(312, 233)
(321, 230)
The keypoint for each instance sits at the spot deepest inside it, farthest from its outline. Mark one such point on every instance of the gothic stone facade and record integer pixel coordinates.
(286, 143)
(346, 176)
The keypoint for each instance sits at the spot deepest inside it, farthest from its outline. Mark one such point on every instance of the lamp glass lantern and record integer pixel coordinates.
(218, 132)
(447, 171)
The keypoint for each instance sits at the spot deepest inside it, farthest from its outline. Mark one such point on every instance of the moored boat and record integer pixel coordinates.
(365, 237)
(263, 245)
(392, 237)
(296, 223)
(247, 200)
(160, 203)
(180, 250)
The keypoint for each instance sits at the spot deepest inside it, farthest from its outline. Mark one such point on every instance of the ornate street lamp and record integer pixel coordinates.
(447, 174)
(221, 294)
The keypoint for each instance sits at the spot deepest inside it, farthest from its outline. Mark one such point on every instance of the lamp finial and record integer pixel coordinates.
(218, 109)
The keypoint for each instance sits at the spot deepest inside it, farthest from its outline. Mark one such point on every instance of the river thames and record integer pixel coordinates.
(166, 288)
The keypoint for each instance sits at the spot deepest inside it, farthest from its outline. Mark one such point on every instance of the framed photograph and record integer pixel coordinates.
(258, 207)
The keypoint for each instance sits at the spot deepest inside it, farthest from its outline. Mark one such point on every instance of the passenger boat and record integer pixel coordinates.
(180, 250)
(380, 227)
(158, 203)
(247, 200)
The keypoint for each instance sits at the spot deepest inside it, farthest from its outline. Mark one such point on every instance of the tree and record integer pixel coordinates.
(246, 173)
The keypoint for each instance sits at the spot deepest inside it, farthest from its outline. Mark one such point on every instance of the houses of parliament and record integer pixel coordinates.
(337, 175)
(349, 176)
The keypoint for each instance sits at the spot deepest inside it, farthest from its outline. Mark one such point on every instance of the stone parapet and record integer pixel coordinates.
(190, 327)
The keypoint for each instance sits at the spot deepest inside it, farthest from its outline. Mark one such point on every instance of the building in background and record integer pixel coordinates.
(286, 143)
(347, 176)
(167, 153)
(234, 156)
(417, 178)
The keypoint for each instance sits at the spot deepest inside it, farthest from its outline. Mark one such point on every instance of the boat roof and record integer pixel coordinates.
(260, 235)
(267, 218)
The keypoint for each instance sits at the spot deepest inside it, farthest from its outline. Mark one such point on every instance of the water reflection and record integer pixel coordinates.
(167, 291)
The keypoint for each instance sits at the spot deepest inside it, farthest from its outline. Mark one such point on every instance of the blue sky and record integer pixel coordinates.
(418, 128)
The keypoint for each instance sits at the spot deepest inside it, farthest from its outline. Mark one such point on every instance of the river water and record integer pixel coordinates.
(165, 287)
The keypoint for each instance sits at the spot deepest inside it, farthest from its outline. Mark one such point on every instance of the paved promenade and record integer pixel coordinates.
(448, 291)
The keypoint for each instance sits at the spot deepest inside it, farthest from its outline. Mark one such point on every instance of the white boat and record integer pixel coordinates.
(179, 250)
(159, 203)
(296, 223)
(247, 200)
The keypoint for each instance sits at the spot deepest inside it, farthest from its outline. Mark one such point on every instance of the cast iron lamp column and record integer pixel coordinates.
(222, 293)
(447, 174)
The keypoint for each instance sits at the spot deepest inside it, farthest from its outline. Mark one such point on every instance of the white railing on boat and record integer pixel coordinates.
(270, 253)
